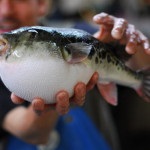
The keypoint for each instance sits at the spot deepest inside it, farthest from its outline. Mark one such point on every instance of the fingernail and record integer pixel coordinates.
(147, 46)
(95, 17)
(130, 49)
(148, 51)
(99, 16)
(38, 104)
(82, 91)
(116, 33)
(61, 96)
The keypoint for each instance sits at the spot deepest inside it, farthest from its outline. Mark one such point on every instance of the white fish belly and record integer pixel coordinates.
(43, 78)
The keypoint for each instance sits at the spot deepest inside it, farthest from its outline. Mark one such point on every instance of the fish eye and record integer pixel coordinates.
(66, 53)
(3, 45)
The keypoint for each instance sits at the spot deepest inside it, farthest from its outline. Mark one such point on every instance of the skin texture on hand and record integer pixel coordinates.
(118, 29)
(27, 125)
(112, 29)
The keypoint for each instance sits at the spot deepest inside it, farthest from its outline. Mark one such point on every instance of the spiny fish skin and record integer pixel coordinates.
(77, 53)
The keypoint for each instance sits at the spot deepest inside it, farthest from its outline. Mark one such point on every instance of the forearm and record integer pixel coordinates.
(25, 124)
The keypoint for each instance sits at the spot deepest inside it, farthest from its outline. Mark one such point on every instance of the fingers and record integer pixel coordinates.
(81, 89)
(104, 18)
(119, 28)
(136, 39)
(79, 94)
(106, 23)
(146, 46)
(62, 98)
(132, 39)
(104, 35)
(15, 99)
(62, 102)
(113, 28)
(38, 105)
(92, 81)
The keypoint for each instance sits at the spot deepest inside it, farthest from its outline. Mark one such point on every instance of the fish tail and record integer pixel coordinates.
(144, 90)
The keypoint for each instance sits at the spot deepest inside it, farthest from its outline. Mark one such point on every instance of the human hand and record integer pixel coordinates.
(29, 126)
(113, 28)
(62, 98)
(34, 128)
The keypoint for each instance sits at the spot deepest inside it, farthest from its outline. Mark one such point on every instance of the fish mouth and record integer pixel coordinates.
(3, 45)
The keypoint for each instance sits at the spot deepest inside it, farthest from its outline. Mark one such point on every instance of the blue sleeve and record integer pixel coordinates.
(5, 105)
(77, 132)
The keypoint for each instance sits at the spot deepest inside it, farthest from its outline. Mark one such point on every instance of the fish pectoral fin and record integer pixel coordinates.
(76, 52)
(109, 92)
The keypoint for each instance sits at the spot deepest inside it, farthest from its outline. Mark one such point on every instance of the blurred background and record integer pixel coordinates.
(81, 10)
(128, 123)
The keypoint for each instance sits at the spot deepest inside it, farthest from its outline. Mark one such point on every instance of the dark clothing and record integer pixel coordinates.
(5, 105)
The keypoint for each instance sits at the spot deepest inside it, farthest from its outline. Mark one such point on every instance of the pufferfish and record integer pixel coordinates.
(40, 61)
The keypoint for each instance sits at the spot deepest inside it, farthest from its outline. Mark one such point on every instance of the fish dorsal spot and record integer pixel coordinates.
(76, 52)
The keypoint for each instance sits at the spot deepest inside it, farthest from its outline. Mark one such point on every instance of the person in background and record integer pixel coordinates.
(22, 121)
(27, 125)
